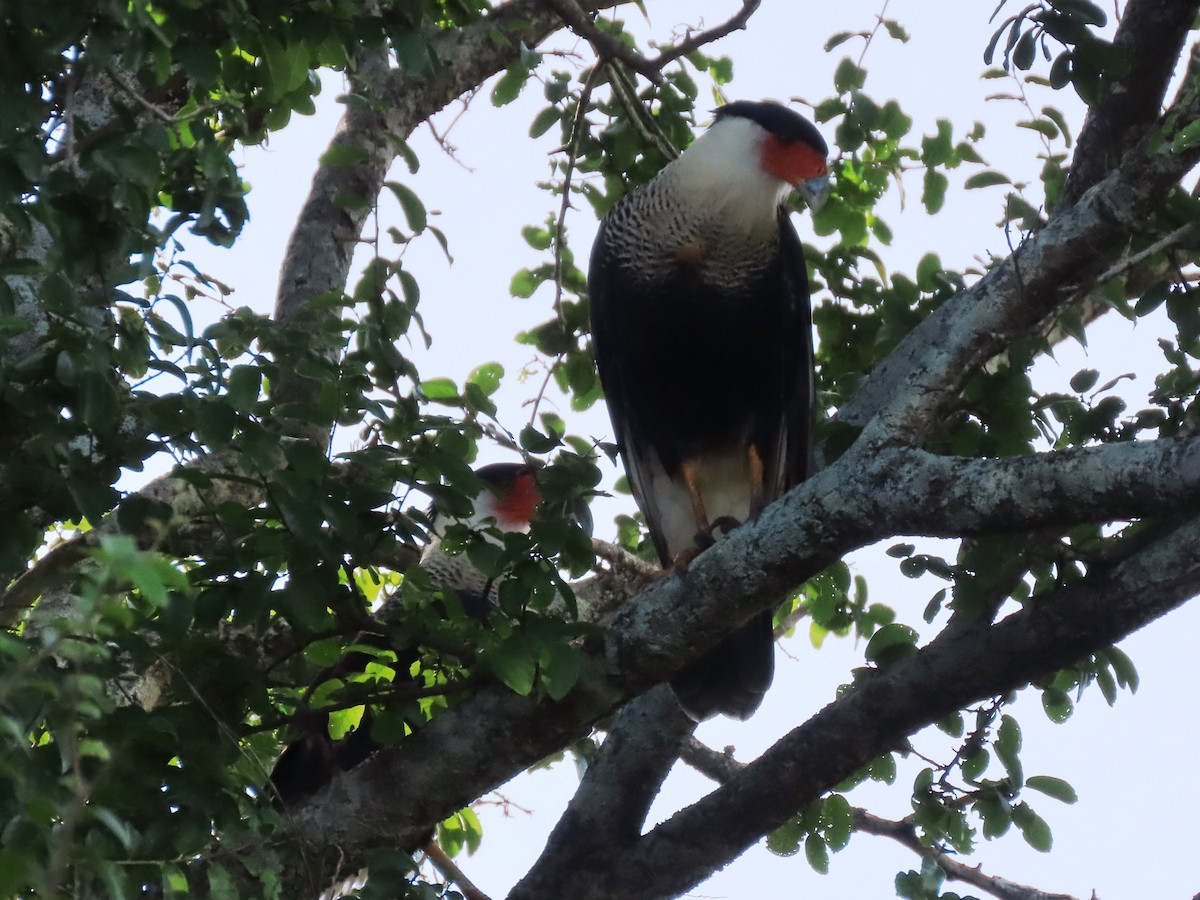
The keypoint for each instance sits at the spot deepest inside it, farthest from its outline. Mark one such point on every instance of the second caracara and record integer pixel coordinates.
(508, 500)
(702, 333)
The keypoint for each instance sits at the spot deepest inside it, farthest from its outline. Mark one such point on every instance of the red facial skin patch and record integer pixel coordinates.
(792, 161)
(520, 502)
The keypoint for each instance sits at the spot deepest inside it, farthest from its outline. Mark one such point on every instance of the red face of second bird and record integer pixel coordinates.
(519, 502)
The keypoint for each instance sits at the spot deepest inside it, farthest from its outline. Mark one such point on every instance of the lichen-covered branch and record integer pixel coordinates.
(846, 506)
(944, 676)
(1150, 35)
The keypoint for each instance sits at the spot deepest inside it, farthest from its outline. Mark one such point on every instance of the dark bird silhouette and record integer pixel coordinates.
(702, 333)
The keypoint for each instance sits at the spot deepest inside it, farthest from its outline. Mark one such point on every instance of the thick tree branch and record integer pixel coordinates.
(846, 506)
(946, 675)
(610, 807)
(387, 106)
(1150, 35)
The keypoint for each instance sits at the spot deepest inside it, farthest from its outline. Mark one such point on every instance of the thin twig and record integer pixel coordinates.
(700, 38)
(560, 226)
(537, 400)
(790, 621)
(644, 124)
(1129, 262)
(870, 37)
(721, 767)
(905, 833)
(444, 864)
(605, 45)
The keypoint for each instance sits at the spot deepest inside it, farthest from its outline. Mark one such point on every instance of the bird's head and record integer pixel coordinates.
(789, 146)
(510, 496)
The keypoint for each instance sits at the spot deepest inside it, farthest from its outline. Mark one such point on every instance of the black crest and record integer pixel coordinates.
(776, 118)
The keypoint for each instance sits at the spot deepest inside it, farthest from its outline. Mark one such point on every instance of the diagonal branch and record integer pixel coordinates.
(944, 676)
(610, 807)
(1151, 36)
(846, 506)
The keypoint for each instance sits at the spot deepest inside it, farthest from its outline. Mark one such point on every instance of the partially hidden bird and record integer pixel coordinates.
(508, 500)
(702, 334)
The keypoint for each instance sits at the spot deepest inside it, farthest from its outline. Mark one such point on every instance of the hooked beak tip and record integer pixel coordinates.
(815, 191)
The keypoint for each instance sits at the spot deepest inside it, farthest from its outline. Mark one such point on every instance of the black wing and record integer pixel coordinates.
(799, 380)
(613, 301)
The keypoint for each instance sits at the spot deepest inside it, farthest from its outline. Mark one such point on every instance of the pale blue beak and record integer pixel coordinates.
(815, 191)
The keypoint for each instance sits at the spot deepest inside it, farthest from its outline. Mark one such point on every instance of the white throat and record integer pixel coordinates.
(721, 170)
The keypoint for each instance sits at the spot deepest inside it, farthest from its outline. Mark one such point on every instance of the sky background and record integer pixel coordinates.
(1132, 834)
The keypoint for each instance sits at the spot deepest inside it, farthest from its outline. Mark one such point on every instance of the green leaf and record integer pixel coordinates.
(933, 193)
(343, 155)
(441, 390)
(558, 669)
(414, 210)
(1123, 668)
(938, 150)
(837, 821)
(848, 76)
(515, 664)
(544, 120)
(975, 764)
(883, 768)
(1033, 828)
(508, 88)
(1084, 380)
(537, 238)
(524, 283)
(996, 814)
(891, 642)
(840, 38)
(487, 377)
(1024, 52)
(785, 840)
(817, 853)
(929, 268)
(1188, 136)
(1057, 705)
(220, 883)
(244, 385)
(1052, 787)
(951, 724)
(986, 179)
(1042, 126)
(1008, 747)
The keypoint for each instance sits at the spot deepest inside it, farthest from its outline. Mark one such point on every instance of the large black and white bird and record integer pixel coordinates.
(702, 333)
(508, 501)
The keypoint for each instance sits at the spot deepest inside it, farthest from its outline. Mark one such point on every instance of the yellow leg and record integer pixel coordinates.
(758, 490)
(692, 482)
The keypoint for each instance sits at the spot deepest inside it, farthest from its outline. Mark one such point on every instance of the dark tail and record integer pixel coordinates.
(313, 758)
(733, 676)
